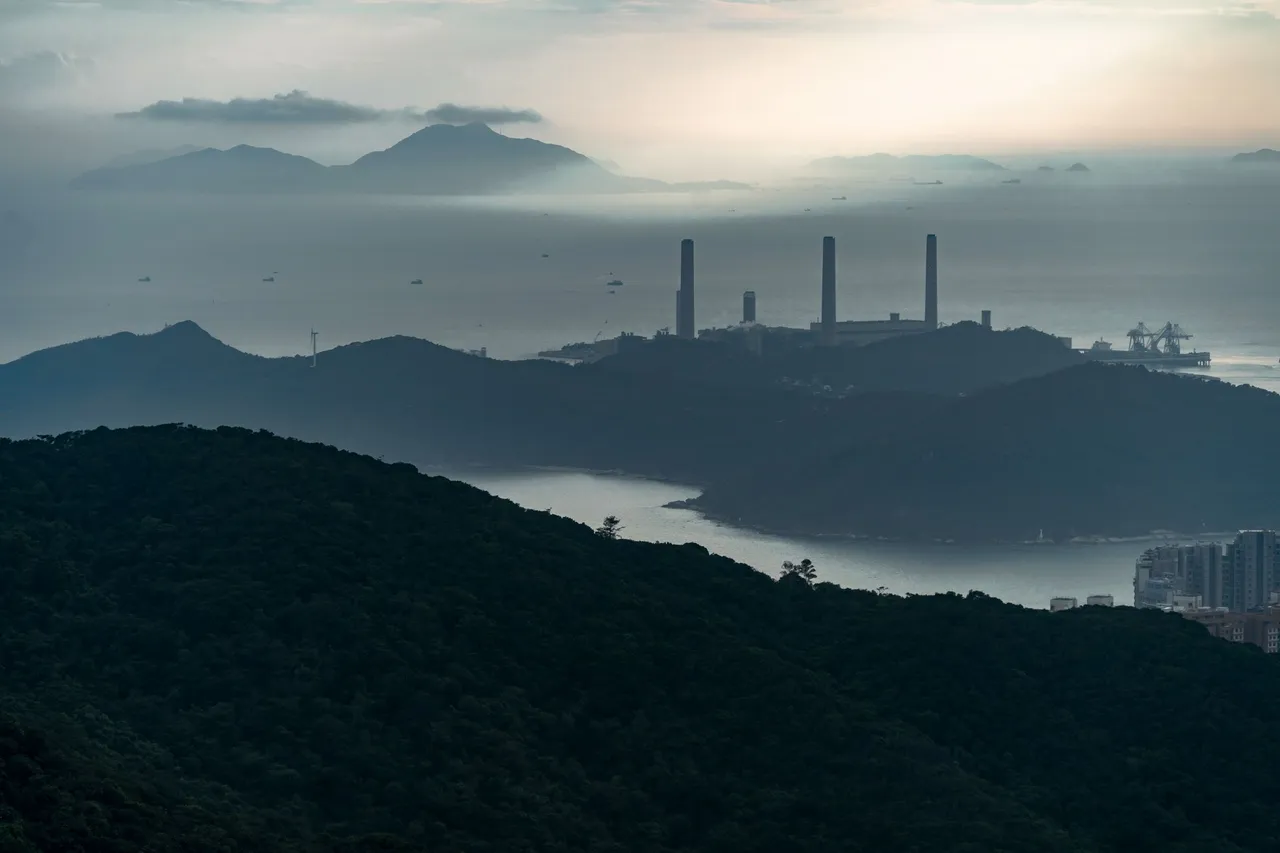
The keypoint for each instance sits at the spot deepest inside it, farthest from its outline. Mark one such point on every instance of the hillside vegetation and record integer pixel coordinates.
(301, 648)
(1091, 450)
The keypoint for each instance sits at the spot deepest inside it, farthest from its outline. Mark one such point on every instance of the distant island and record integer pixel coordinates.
(964, 433)
(941, 162)
(1078, 167)
(223, 640)
(441, 159)
(1262, 155)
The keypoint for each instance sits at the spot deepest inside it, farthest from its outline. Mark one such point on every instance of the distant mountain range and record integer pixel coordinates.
(440, 159)
(151, 155)
(1262, 155)
(938, 162)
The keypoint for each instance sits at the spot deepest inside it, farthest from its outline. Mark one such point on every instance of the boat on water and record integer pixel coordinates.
(270, 278)
(1160, 348)
(416, 281)
(617, 282)
(145, 278)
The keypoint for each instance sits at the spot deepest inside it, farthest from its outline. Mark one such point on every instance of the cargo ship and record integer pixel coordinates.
(1160, 348)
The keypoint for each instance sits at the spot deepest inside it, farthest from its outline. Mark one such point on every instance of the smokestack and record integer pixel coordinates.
(749, 307)
(685, 327)
(931, 282)
(986, 318)
(828, 291)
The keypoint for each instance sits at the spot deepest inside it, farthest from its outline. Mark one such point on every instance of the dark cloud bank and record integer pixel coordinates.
(298, 107)
(456, 114)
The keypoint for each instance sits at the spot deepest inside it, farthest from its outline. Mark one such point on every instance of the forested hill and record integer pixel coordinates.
(226, 641)
(1079, 452)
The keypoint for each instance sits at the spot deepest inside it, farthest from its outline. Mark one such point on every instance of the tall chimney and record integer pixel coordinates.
(749, 307)
(685, 327)
(828, 291)
(931, 282)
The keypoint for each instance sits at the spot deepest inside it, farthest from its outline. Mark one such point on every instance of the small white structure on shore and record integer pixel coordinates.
(1062, 603)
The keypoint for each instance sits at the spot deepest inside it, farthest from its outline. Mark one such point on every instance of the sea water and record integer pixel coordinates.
(1084, 258)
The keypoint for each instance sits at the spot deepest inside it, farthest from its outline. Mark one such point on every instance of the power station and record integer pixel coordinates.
(829, 330)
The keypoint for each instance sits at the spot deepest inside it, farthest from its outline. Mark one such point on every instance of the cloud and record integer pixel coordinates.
(296, 107)
(300, 108)
(39, 70)
(456, 114)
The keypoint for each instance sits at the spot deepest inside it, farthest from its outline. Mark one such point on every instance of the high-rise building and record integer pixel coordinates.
(749, 307)
(685, 324)
(1200, 568)
(1155, 577)
(1250, 573)
(828, 291)
(1243, 577)
(931, 281)
(986, 318)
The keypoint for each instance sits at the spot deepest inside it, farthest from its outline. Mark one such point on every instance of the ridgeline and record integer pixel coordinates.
(222, 641)
(964, 433)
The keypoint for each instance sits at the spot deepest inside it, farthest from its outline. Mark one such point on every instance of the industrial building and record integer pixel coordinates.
(829, 331)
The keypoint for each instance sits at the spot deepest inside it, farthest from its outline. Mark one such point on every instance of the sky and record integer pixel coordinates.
(666, 88)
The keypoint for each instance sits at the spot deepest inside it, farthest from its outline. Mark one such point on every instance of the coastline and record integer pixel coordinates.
(1154, 536)
(691, 504)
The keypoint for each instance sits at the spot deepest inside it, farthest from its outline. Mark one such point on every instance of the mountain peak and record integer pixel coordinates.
(184, 330)
(475, 130)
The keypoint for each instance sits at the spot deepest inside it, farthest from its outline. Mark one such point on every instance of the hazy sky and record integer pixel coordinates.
(672, 87)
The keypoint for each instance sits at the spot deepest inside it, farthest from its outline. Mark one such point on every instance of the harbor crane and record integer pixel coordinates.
(1166, 341)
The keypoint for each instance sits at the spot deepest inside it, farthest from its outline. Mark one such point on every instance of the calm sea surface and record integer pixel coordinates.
(1027, 574)
(1086, 257)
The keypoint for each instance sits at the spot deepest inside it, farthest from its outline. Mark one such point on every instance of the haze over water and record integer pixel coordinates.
(1084, 256)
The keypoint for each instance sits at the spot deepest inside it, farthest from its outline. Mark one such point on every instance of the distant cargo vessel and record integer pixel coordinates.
(1162, 348)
